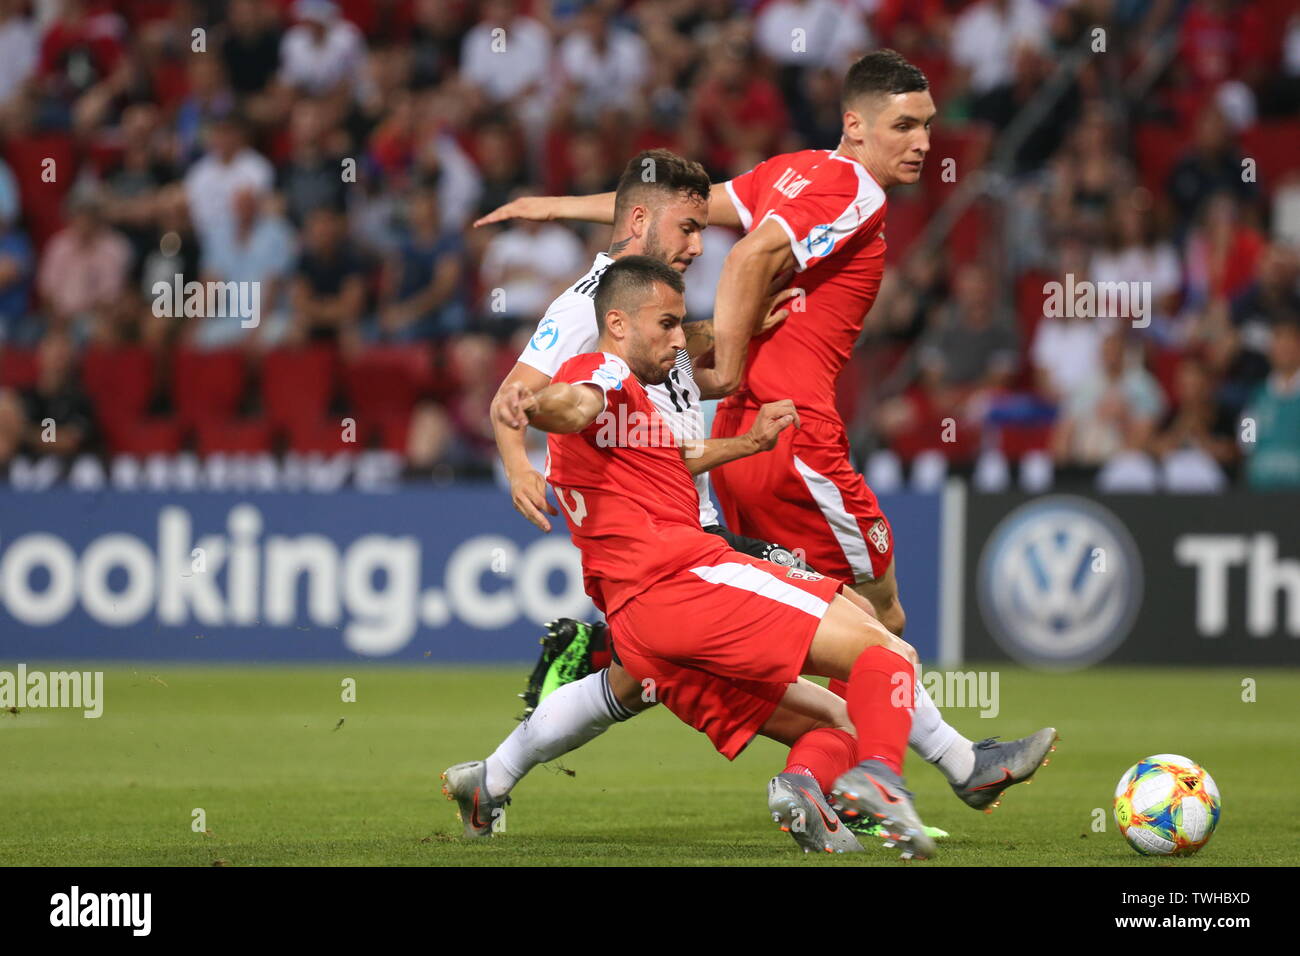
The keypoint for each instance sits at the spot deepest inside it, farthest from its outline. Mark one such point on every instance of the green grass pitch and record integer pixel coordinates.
(286, 773)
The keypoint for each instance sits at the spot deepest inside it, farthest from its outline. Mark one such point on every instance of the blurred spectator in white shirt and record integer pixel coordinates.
(506, 55)
(1065, 354)
(986, 35)
(1135, 253)
(323, 53)
(1066, 349)
(258, 246)
(1116, 410)
(228, 166)
(524, 267)
(18, 48)
(834, 31)
(608, 65)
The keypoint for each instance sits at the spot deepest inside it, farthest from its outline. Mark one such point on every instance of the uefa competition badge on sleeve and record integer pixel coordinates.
(820, 240)
(547, 334)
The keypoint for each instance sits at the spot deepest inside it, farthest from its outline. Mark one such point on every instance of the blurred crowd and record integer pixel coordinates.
(336, 154)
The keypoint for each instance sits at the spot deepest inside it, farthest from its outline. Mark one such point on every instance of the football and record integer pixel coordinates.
(1167, 805)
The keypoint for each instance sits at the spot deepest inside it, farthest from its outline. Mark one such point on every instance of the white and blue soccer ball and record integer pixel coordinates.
(1167, 805)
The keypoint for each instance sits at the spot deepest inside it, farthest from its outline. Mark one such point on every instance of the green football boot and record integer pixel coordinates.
(567, 649)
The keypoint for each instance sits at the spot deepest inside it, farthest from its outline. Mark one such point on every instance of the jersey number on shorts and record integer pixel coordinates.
(576, 511)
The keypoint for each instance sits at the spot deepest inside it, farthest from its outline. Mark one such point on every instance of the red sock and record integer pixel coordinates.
(880, 699)
(823, 754)
(839, 688)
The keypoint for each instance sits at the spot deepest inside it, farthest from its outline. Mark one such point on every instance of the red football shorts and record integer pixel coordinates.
(719, 643)
(804, 494)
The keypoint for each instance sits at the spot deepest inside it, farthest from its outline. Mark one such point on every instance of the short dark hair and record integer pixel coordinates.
(882, 72)
(662, 172)
(628, 281)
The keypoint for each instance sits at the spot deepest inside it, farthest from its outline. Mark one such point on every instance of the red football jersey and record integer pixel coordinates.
(834, 214)
(626, 494)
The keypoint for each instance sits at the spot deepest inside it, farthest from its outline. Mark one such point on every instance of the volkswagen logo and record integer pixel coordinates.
(1059, 583)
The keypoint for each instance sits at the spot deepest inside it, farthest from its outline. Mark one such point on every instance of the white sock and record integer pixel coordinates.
(568, 718)
(938, 741)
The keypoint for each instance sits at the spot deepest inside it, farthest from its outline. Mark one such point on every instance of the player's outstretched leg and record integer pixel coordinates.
(852, 646)
(798, 807)
(466, 783)
(1001, 765)
(977, 772)
(874, 790)
(571, 649)
(814, 723)
(571, 716)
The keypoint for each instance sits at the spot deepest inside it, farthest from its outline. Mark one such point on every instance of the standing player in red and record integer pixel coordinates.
(743, 629)
(822, 212)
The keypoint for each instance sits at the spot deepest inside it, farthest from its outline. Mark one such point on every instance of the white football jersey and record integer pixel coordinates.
(569, 328)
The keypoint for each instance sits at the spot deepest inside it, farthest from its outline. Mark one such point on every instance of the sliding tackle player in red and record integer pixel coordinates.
(744, 629)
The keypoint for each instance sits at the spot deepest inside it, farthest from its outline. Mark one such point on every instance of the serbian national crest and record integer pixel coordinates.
(879, 536)
(802, 574)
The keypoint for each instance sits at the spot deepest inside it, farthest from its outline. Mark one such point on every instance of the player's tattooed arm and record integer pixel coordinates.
(754, 265)
(527, 486)
(701, 455)
(699, 338)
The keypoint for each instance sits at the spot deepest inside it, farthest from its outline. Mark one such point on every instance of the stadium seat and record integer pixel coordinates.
(143, 436)
(251, 436)
(905, 222)
(506, 357)
(1273, 147)
(1158, 147)
(383, 384)
(1016, 441)
(29, 157)
(445, 383)
(1164, 365)
(927, 437)
(119, 381)
(967, 145)
(969, 235)
(394, 434)
(18, 367)
(1030, 300)
(321, 436)
(207, 386)
(298, 384)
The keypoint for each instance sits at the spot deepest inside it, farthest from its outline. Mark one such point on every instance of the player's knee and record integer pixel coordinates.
(629, 691)
(893, 618)
(861, 600)
(839, 719)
